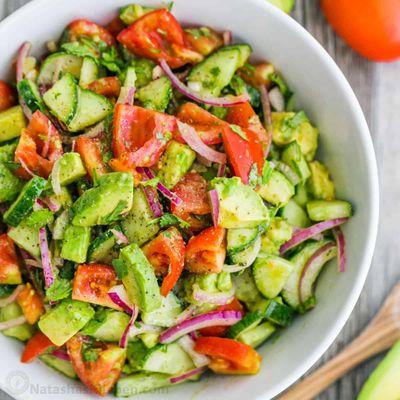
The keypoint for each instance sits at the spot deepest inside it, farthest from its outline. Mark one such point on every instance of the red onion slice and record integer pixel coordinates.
(51, 204)
(13, 296)
(276, 99)
(214, 318)
(221, 170)
(214, 200)
(61, 355)
(191, 137)
(218, 299)
(11, 323)
(126, 334)
(227, 38)
(304, 234)
(23, 53)
(266, 107)
(121, 238)
(341, 245)
(217, 101)
(152, 200)
(127, 95)
(119, 296)
(187, 375)
(46, 258)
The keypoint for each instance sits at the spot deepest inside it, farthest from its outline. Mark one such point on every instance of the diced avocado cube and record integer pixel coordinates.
(278, 190)
(131, 13)
(64, 199)
(12, 121)
(22, 332)
(75, 243)
(149, 339)
(175, 163)
(307, 139)
(320, 184)
(26, 237)
(107, 325)
(156, 95)
(323, 210)
(239, 205)
(71, 168)
(60, 225)
(140, 280)
(104, 203)
(65, 320)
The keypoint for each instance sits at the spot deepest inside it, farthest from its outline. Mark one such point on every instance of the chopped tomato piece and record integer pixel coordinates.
(208, 126)
(7, 98)
(31, 303)
(36, 346)
(39, 147)
(204, 40)
(91, 153)
(192, 189)
(102, 371)
(10, 274)
(115, 26)
(243, 153)
(205, 253)
(229, 356)
(257, 75)
(158, 35)
(244, 116)
(108, 87)
(140, 136)
(166, 253)
(84, 27)
(92, 283)
(235, 305)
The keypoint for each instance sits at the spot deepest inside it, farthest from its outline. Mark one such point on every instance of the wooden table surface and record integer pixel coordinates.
(378, 90)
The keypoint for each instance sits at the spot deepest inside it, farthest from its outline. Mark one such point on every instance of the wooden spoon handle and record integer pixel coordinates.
(375, 339)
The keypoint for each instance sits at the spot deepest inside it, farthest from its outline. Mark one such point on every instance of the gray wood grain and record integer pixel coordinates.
(378, 90)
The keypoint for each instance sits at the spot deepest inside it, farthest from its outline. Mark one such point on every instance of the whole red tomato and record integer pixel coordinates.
(370, 27)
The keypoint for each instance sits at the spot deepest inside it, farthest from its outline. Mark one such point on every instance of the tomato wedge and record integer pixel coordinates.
(101, 374)
(205, 253)
(90, 152)
(31, 303)
(7, 98)
(39, 147)
(10, 273)
(229, 356)
(208, 126)
(36, 346)
(166, 253)
(115, 26)
(140, 136)
(84, 27)
(235, 305)
(158, 35)
(109, 86)
(192, 190)
(92, 283)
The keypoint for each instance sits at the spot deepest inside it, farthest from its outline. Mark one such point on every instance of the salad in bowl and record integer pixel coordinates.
(163, 213)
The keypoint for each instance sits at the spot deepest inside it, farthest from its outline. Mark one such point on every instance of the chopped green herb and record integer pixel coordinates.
(266, 172)
(254, 177)
(151, 182)
(167, 220)
(239, 131)
(90, 355)
(59, 290)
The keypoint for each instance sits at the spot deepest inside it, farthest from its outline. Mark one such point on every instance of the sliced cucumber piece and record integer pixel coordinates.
(249, 321)
(323, 210)
(30, 93)
(246, 290)
(23, 205)
(26, 237)
(270, 274)
(295, 215)
(245, 256)
(279, 313)
(259, 334)
(60, 64)
(92, 108)
(62, 98)
(293, 157)
(89, 72)
(240, 239)
(156, 95)
(278, 190)
(101, 248)
(63, 366)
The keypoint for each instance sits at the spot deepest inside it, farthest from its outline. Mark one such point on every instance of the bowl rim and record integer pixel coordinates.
(372, 172)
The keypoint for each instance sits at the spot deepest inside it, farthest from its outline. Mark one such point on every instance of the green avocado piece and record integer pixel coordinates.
(107, 325)
(140, 281)
(22, 332)
(278, 190)
(65, 320)
(320, 184)
(384, 382)
(26, 237)
(12, 121)
(175, 163)
(239, 205)
(104, 203)
(75, 243)
(71, 168)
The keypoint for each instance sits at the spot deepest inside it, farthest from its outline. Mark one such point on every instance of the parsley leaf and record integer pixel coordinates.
(294, 122)
(151, 182)
(90, 355)
(254, 177)
(80, 49)
(59, 290)
(167, 220)
(120, 268)
(266, 172)
(239, 131)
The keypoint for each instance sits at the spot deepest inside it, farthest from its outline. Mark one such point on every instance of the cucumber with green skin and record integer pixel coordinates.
(29, 92)
(295, 215)
(21, 332)
(279, 313)
(23, 205)
(249, 321)
(63, 366)
(26, 237)
(278, 190)
(101, 248)
(259, 334)
(240, 239)
(293, 157)
(324, 210)
(156, 95)
(89, 72)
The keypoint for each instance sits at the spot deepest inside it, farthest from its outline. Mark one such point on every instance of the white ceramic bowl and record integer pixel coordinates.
(346, 147)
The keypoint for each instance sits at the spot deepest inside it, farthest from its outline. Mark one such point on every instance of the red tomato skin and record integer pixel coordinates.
(370, 27)
(115, 26)
(205, 253)
(10, 273)
(84, 27)
(32, 149)
(90, 152)
(31, 303)
(36, 346)
(109, 86)
(92, 283)
(7, 98)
